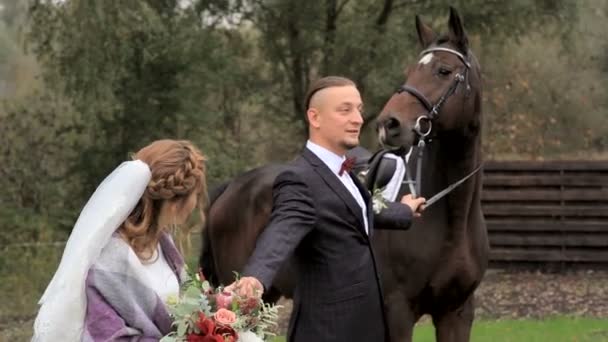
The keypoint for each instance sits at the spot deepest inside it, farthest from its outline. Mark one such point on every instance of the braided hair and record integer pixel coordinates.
(178, 172)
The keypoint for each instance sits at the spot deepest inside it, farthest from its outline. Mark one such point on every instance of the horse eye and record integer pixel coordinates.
(444, 71)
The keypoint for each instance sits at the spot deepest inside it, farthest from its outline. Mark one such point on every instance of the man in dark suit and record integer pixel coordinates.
(323, 217)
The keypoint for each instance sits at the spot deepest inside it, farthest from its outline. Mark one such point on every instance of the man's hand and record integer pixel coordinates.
(246, 287)
(416, 204)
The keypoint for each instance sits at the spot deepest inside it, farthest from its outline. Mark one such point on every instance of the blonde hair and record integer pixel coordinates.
(178, 171)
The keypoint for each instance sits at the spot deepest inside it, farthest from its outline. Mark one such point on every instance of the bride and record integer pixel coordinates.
(120, 263)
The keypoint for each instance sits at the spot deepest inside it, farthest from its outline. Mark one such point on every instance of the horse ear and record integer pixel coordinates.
(426, 35)
(457, 34)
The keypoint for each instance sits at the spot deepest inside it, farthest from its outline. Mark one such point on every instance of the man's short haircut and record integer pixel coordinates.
(326, 82)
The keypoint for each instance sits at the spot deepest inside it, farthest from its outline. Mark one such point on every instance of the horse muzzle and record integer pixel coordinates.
(393, 133)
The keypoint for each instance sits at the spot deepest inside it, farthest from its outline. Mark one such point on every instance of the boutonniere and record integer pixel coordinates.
(378, 201)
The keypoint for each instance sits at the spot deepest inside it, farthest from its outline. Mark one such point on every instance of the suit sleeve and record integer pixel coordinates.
(396, 216)
(293, 217)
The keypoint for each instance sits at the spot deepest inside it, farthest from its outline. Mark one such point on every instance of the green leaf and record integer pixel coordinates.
(168, 339)
(183, 311)
(192, 292)
(182, 328)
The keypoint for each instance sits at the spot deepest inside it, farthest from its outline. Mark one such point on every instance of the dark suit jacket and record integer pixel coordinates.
(338, 297)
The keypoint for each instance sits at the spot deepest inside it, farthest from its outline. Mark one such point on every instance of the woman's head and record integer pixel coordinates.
(176, 187)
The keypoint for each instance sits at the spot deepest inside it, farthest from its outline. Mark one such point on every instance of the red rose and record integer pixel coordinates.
(213, 338)
(194, 338)
(205, 325)
(227, 332)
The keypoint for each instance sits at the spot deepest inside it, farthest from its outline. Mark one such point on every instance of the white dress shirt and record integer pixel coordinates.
(334, 162)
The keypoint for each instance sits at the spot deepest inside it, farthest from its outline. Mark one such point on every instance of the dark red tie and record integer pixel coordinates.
(347, 165)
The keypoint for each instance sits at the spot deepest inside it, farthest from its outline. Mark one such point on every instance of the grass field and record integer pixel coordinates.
(559, 329)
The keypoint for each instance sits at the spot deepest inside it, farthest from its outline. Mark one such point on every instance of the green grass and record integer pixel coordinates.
(558, 329)
(25, 273)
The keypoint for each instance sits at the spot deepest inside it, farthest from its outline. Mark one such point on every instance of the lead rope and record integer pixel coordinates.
(421, 145)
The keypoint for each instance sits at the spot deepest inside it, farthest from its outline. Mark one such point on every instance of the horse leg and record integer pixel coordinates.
(455, 325)
(401, 318)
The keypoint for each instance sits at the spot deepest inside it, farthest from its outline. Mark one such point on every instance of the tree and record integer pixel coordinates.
(137, 71)
(367, 41)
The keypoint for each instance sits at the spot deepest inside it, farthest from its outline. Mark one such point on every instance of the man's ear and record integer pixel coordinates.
(312, 114)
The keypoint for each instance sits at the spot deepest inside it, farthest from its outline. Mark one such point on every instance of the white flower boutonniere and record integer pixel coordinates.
(378, 201)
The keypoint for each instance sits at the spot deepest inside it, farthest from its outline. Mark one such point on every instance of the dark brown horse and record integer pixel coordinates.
(434, 267)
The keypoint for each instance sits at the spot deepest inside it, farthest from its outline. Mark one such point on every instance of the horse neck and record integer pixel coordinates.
(448, 159)
(455, 154)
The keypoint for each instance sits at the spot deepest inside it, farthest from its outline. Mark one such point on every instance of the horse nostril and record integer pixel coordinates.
(392, 123)
(392, 127)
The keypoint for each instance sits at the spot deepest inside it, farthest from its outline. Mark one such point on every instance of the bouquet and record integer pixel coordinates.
(202, 313)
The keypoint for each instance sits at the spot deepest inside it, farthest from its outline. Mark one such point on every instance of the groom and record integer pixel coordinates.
(322, 215)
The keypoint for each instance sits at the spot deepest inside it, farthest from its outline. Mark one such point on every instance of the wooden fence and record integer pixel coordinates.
(551, 213)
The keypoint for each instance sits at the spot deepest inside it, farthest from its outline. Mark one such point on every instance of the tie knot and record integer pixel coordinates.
(347, 165)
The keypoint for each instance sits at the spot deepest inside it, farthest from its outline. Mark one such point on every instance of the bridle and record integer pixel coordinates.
(432, 115)
(433, 109)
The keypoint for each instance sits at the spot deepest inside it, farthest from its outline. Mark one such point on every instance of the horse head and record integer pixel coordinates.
(442, 91)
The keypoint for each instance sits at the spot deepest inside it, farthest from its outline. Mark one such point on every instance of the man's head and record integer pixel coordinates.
(334, 113)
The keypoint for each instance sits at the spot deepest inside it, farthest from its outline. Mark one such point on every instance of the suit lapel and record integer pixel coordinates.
(364, 192)
(336, 185)
(367, 198)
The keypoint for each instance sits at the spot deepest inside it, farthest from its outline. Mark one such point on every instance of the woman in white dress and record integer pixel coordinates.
(120, 263)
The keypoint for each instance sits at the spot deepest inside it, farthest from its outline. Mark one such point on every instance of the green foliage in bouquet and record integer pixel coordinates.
(202, 311)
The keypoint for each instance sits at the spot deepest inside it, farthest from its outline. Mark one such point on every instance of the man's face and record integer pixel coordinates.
(336, 118)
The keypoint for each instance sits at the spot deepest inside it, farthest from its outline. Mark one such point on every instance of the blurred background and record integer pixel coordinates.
(85, 83)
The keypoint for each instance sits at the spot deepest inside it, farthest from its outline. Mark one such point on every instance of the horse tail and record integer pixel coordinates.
(207, 261)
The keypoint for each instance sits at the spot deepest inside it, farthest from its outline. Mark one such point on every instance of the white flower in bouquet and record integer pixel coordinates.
(249, 336)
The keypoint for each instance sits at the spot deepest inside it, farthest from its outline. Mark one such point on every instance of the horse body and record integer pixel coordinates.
(434, 267)
(238, 213)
